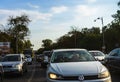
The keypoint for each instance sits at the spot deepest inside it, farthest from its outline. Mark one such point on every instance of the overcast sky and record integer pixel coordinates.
(53, 18)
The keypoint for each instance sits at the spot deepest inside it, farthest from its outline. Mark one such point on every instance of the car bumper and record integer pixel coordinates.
(12, 70)
(30, 62)
(98, 80)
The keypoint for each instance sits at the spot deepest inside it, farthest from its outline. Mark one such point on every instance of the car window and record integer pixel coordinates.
(28, 56)
(71, 56)
(47, 53)
(119, 52)
(11, 58)
(97, 53)
(115, 52)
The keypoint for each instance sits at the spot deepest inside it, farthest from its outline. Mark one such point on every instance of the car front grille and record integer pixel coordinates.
(86, 77)
(7, 66)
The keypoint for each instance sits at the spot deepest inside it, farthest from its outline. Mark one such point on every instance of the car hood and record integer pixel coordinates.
(76, 68)
(9, 63)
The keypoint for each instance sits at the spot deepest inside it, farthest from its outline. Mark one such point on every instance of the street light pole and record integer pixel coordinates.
(103, 36)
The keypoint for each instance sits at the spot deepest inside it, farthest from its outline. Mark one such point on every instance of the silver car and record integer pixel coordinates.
(14, 63)
(1, 73)
(75, 65)
(98, 55)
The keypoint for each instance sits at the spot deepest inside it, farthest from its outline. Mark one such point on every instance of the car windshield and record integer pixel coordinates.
(71, 56)
(97, 53)
(11, 58)
(28, 56)
(47, 53)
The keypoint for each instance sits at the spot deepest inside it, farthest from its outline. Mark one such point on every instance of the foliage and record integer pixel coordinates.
(18, 26)
(91, 38)
(27, 44)
(47, 43)
(18, 30)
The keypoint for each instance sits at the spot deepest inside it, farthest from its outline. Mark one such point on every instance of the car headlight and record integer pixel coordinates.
(104, 74)
(17, 66)
(55, 76)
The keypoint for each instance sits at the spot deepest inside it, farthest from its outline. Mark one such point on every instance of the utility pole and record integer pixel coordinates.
(103, 36)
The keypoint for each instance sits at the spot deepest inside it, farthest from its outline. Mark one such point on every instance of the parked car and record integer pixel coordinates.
(75, 65)
(46, 58)
(28, 59)
(14, 63)
(1, 73)
(98, 55)
(112, 61)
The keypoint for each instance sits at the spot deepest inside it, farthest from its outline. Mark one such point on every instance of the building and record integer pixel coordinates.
(4, 47)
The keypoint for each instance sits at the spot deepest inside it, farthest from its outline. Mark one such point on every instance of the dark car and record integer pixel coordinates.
(112, 61)
(1, 73)
(46, 58)
(39, 57)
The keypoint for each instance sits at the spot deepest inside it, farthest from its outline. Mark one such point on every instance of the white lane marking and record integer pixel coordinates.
(31, 77)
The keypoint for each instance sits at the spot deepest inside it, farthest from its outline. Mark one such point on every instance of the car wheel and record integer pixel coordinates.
(41, 65)
(26, 70)
(110, 69)
(1, 79)
(21, 73)
(30, 63)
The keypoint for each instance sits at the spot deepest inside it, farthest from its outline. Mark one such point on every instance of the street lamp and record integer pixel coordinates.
(103, 37)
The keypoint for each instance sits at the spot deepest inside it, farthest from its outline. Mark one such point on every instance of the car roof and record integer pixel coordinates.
(95, 51)
(56, 50)
(13, 54)
(46, 51)
(116, 48)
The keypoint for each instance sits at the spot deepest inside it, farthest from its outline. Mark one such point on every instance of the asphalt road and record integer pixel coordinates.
(37, 74)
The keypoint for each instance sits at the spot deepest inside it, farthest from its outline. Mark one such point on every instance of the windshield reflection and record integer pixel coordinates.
(71, 56)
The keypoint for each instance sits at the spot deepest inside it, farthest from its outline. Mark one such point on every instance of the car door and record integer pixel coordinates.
(114, 58)
(118, 60)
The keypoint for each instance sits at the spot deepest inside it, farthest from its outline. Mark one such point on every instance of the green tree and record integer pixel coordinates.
(64, 42)
(47, 43)
(27, 44)
(18, 28)
(112, 32)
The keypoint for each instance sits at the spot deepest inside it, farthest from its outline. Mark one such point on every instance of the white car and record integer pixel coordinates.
(14, 63)
(75, 65)
(98, 55)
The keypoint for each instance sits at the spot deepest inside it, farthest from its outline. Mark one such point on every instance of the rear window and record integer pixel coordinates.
(47, 53)
(97, 53)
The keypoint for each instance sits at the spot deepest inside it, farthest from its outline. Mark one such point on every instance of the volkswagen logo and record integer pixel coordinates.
(81, 77)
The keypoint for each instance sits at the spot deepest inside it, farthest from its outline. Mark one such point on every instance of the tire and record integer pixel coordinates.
(1, 78)
(21, 73)
(26, 70)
